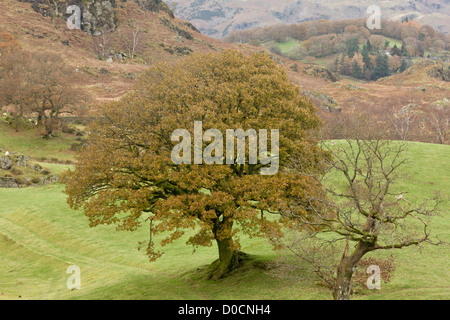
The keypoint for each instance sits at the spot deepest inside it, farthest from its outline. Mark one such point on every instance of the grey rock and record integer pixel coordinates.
(22, 160)
(6, 182)
(6, 163)
(48, 180)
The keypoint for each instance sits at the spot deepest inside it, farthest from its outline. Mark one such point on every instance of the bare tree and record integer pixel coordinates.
(131, 39)
(40, 84)
(402, 121)
(12, 85)
(52, 90)
(358, 211)
(102, 43)
(439, 120)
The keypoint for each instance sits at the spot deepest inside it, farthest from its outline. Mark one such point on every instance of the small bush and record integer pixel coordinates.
(16, 172)
(67, 129)
(20, 181)
(36, 180)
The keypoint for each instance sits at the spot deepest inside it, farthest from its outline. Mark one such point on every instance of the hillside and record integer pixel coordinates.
(166, 38)
(40, 237)
(39, 27)
(219, 17)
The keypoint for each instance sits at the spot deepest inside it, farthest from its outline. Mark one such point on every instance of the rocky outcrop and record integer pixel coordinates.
(155, 6)
(440, 73)
(5, 163)
(17, 170)
(441, 104)
(95, 14)
(6, 182)
(321, 72)
(323, 101)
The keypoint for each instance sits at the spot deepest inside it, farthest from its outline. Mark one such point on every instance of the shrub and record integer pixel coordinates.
(36, 180)
(16, 172)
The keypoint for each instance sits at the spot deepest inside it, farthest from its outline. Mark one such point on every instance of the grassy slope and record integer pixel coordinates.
(40, 237)
(31, 144)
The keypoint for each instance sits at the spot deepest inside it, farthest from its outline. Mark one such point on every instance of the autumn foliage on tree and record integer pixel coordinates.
(41, 85)
(126, 177)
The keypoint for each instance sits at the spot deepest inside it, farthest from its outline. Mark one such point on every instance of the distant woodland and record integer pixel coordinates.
(360, 52)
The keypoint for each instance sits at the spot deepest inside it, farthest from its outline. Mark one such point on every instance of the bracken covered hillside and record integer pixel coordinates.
(100, 50)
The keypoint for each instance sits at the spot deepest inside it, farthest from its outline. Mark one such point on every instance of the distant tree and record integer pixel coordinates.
(403, 50)
(428, 43)
(402, 121)
(428, 31)
(337, 64)
(126, 175)
(420, 45)
(13, 90)
(377, 42)
(346, 66)
(438, 45)
(366, 58)
(381, 68)
(395, 63)
(41, 84)
(132, 38)
(438, 118)
(411, 45)
(9, 88)
(403, 66)
(356, 70)
(351, 29)
(396, 51)
(102, 43)
(367, 74)
(352, 46)
(369, 46)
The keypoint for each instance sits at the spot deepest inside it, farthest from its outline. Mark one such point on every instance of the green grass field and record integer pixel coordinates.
(287, 46)
(40, 237)
(31, 143)
(393, 42)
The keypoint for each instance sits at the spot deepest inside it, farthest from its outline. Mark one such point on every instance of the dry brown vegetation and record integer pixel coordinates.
(159, 42)
(36, 33)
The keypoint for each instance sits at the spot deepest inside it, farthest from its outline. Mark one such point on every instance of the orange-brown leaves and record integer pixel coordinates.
(127, 167)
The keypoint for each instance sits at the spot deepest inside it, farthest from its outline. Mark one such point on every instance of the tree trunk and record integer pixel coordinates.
(229, 257)
(343, 285)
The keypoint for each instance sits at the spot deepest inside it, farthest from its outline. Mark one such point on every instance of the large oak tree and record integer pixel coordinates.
(126, 177)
